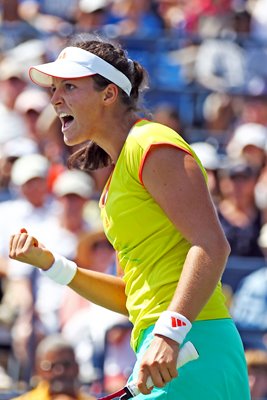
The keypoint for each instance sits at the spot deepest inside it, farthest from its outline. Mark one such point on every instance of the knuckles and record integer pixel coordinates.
(19, 254)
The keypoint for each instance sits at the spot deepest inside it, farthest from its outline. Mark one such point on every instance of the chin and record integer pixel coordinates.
(70, 141)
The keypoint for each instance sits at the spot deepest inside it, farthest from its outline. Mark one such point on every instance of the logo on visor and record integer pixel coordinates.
(62, 55)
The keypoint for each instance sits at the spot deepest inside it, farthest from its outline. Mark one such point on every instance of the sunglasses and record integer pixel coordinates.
(241, 177)
(48, 366)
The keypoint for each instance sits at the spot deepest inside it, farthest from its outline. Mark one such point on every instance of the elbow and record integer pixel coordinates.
(223, 251)
(228, 249)
(218, 248)
(224, 247)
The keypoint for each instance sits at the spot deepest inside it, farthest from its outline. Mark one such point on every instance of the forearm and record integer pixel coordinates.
(201, 272)
(105, 290)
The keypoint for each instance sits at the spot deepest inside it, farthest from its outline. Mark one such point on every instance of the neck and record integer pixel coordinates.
(118, 131)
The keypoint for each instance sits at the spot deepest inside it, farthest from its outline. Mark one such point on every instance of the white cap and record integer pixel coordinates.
(74, 182)
(31, 99)
(28, 52)
(89, 6)
(10, 68)
(29, 167)
(12, 126)
(207, 154)
(247, 134)
(74, 62)
(19, 147)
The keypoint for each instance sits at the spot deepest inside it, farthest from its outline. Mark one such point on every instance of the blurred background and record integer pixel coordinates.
(206, 61)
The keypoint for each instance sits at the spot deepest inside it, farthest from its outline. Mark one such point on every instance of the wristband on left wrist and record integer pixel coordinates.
(62, 271)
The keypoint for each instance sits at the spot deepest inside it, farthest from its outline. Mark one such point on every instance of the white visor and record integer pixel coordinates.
(74, 62)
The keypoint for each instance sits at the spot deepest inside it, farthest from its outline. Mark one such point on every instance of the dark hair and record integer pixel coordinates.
(91, 156)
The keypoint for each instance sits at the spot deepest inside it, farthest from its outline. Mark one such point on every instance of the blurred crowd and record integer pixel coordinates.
(207, 80)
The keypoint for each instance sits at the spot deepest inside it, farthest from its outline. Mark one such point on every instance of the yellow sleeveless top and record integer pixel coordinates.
(150, 250)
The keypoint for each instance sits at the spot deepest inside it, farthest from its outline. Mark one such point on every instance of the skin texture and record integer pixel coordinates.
(175, 181)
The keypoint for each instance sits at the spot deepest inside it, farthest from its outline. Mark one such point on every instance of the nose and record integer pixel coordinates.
(58, 369)
(56, 97)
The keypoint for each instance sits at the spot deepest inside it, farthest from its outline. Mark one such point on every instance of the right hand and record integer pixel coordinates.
(159, 362)
(27, 249)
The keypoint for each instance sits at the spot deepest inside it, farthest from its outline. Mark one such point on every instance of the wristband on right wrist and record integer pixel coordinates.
(172, 325)
(62, 271)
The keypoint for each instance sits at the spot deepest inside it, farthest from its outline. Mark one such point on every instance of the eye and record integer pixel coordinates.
(69, 86)
(52, 90)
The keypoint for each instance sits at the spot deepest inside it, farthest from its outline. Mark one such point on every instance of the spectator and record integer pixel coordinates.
(12, 83)
(253, 108)
(173, 14)
(239, 215)
(134, 18)
(218, 113)
(61, 227)
(10, 152)
(249, 306)
(91, 15)
(33, 202)
(29, 104)
(249, 141)
(57, 372)
(62, 230)
(48, 16)
(73, 190)
(167, 114)
(257, 371)
(14, 29)
(33, 205)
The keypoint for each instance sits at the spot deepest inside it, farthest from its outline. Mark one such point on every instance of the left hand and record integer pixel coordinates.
(159, 362)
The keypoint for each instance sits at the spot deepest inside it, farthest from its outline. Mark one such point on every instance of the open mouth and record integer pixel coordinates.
(66, 120)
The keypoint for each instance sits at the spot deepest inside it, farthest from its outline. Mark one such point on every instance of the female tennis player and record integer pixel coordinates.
(158, 214)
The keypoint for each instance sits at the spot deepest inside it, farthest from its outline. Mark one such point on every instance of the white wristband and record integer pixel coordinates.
(172, 325)
(62, 271)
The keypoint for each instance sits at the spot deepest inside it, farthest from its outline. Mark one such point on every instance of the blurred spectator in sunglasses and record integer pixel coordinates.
(56, 372)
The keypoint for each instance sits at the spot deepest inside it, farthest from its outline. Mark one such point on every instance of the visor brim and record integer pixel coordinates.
(43, 74)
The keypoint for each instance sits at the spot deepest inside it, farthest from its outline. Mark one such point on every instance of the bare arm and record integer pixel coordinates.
(105, 290)
(176, 182)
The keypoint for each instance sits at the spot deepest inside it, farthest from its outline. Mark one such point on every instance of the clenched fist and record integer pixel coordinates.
(27, 249)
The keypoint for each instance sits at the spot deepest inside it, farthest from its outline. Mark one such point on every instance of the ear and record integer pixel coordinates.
(110, 94)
